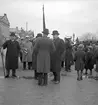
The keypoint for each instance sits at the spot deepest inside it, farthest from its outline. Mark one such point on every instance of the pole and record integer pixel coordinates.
(2, 58)
(44, 25)
(26, 26)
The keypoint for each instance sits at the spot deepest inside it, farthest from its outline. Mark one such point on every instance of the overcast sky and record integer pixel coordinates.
(67, 16)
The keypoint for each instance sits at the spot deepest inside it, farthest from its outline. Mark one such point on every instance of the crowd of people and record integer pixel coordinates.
(45, 55)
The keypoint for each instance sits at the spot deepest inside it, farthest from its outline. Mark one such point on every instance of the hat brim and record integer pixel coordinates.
(45, 32)
(55, 34)
(13, 35)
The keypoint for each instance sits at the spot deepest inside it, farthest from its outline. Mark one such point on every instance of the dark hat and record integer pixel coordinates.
(39, 35)
(46, 31)
(55, 32)
(12, 34)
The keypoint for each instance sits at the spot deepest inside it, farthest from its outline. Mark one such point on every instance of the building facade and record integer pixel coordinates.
(4, 26)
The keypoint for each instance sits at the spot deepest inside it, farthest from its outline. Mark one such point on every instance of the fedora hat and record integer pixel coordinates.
(46, 31)
(39, 35)
(12, 34)
(55, 32)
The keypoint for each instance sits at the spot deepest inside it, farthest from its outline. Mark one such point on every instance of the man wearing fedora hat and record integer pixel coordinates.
(12, 54)
(34, 57)
(56, 56)
(43, 47)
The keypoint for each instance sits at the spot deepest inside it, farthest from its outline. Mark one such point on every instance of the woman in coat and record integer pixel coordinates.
(43, 47)
(89, 63)
(79, 61)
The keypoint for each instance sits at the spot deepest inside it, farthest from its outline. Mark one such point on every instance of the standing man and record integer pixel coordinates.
(68, 54)
(43, 47)
(12, 54)
(34, 58)
(56, 57)
(27, 50)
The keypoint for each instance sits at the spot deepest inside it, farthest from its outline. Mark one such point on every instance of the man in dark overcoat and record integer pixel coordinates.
(12, 54)
(56, 57)
(44, 47)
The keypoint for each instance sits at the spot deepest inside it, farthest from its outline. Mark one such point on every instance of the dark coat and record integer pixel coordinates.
(68, 54)
(12, 54)
(34, 57)
(79, 60)
(43, 48)
(89, 63)
(96, 59)
(56, 57)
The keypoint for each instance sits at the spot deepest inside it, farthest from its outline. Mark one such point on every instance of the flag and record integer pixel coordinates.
(44, 25)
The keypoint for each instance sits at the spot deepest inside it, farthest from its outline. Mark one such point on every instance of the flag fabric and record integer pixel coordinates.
(44, 25)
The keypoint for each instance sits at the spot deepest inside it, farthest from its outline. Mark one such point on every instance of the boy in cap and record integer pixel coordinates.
(79, 61)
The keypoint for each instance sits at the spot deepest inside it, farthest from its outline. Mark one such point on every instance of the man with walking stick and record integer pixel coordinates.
(12, 54)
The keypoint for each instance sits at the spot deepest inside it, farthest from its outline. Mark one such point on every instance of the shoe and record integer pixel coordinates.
(36, 78)
(57, 82)
(78, 79)
(81, 78)
(7, 76)
(53, 80)
(14, 76)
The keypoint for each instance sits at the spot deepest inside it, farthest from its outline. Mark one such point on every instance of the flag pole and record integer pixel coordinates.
(44, 25)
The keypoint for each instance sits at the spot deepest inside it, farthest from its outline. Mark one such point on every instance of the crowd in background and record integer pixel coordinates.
(44, 55)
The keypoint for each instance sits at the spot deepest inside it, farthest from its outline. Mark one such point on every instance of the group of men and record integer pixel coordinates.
(45, 55)
(42, 54)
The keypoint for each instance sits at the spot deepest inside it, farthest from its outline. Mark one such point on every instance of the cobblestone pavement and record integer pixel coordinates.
(68, 92)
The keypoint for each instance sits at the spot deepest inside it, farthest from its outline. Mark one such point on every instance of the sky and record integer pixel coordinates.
(66, 16)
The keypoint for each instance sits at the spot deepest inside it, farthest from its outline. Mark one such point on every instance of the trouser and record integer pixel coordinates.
(42, 79)
(67, 67)
(13, 72)
(56, 76)
(79, 74)
(62, 64)
(20, 56)
(35, 74)
(29, 65)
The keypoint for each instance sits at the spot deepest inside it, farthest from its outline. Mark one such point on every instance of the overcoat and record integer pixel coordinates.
(43, 47)
(34, 57)
(89, 62)
(27, 51)
(96, 59)
(68, 54)
(12, 54)
(56, 57)
(79, 60)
